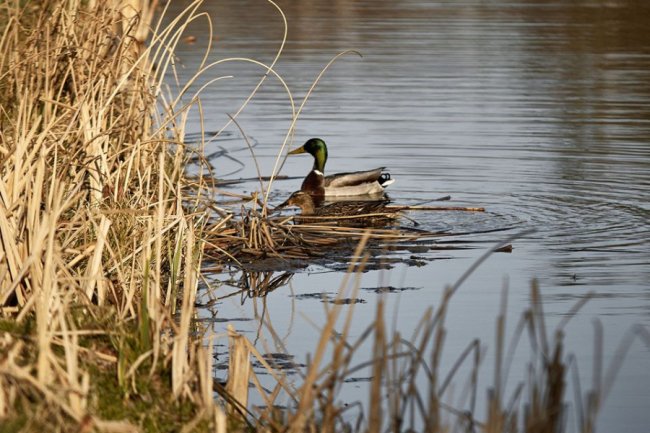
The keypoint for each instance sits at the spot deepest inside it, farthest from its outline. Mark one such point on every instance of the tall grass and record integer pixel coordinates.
(99, 238)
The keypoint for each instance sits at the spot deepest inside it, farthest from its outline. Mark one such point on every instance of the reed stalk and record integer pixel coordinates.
(98, 233)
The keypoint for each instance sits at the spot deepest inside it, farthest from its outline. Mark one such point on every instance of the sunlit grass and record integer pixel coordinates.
(101, 247)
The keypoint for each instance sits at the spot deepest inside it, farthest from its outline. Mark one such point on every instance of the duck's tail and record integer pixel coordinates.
(385, 180)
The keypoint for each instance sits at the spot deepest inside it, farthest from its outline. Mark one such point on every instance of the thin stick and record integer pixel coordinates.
(436, 208)
(257, 166)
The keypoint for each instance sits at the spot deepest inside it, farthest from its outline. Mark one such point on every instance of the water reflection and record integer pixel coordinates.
(249, 285)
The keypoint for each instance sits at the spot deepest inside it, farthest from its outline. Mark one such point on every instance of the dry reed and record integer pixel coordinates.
(98, 237)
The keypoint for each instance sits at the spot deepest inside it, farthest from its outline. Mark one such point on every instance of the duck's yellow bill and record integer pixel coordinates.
(301, 149)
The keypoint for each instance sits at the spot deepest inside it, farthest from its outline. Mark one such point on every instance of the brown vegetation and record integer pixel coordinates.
(100, 248)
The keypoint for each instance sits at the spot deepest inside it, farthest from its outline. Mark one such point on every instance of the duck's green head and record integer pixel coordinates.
(316, 148)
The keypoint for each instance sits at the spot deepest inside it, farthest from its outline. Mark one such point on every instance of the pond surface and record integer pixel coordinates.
(538, 111)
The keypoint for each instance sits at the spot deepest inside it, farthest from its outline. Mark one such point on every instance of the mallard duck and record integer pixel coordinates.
(362, 209)
(340, 184)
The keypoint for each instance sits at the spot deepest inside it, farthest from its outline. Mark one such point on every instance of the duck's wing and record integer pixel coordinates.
(354, 178)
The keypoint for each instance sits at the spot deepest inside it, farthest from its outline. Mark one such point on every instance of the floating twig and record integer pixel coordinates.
(437, 208)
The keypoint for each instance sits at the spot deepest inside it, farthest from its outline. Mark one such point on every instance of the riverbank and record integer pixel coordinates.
(101, 239)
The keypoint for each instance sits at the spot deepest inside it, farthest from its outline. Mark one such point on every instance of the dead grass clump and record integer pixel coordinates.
(100, 245)
(252, 236)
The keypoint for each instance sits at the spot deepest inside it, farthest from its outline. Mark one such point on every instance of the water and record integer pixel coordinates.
(538, 111)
